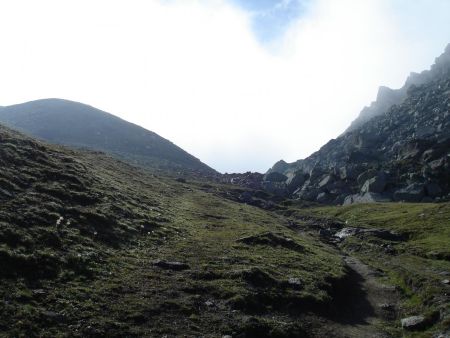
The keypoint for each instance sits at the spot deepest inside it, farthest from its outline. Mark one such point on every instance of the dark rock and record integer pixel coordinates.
(376, 184)
(326, 181)
(295, 181)
(412, 193)
(361, 232)
(271, 239)
(349, 172)
(275, 177)
(166, 265)
(246, 197)
(276, 188)
(410, 140)
(433, 190)
(362, 178)
(181, 180)
(258, 278)
(294, 283)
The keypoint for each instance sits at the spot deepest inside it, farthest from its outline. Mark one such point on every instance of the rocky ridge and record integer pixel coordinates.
(401, 155)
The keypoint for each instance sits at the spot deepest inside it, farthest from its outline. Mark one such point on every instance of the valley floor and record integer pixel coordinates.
(92, 247)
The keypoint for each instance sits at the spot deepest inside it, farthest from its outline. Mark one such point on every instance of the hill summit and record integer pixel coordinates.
(75, 124)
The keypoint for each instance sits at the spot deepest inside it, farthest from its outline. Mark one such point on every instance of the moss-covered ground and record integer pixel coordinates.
(93, 247)
(418, 265)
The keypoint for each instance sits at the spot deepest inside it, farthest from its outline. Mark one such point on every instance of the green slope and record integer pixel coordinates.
(86, 245)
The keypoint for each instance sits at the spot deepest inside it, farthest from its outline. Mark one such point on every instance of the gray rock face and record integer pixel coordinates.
(375, 184)
(412, 193)
(409, 140)
(275, 188)
(368, 174)
(295, 181)
(326, 181)
(413, 322)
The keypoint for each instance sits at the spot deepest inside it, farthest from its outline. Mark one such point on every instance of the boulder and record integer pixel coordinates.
(326, 181)
(376, 184)
(296, 180)
(276, 188)
(294, 283)
(412, 193)
(323, 197)
(362, 178)
(275, 177)
(413, 322)
(308, 193)
(349, 172)
(368, 197)
(315, 174)
(166, 265)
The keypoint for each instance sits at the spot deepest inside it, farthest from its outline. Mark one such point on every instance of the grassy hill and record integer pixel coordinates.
(90, 246)
(76, 124)
(93, 247)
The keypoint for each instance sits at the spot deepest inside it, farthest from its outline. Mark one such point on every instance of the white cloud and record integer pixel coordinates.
(194, 72)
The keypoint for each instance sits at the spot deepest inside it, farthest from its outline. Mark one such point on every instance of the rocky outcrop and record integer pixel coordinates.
(401, 153)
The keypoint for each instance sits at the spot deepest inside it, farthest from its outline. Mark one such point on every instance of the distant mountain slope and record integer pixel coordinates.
(76, 124)
(401, 154)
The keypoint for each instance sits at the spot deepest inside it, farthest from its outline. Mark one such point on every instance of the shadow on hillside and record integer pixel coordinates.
(350, 304)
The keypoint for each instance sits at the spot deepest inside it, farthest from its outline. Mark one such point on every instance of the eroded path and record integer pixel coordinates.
(370, 303)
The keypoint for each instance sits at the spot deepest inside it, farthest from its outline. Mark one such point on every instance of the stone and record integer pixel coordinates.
(323, 197)
(326, 181)
(368, 197)
(209, 303)
(445, 282)
(347, 232)
(347, 173)
(276, 188)
(295, 283)
(413, 322)
(412, 193)
(295, 181)
(166, 265)
(376, 184)
(365, 176)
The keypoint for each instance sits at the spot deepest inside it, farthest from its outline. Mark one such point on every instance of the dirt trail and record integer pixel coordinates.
(365, 303)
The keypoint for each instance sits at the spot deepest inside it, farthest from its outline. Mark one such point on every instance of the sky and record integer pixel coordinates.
(240, 84)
